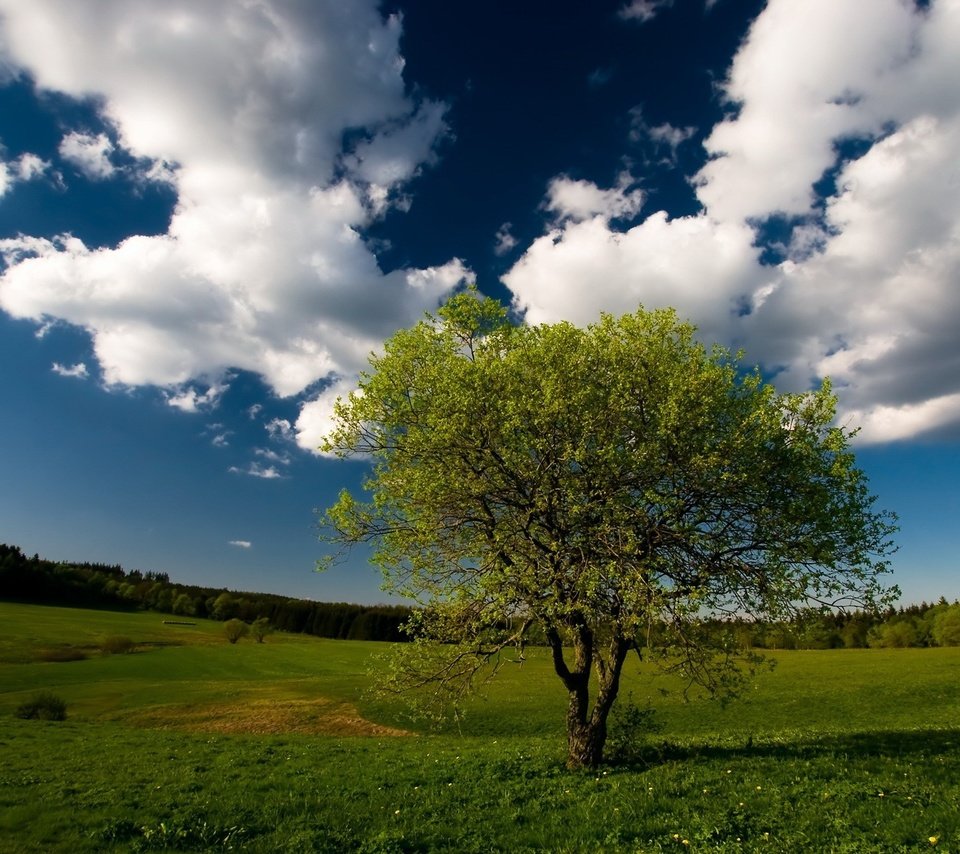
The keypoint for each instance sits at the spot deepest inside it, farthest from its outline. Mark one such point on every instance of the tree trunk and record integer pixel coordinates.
(586, 727)
(585, 744)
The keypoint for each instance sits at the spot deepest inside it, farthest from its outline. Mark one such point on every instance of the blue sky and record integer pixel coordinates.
(211, 213)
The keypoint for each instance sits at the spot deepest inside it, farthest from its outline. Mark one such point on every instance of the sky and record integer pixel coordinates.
(212, 213)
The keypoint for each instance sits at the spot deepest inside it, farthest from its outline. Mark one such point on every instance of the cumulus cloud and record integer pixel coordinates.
(190, 399)
(575, 271)
(575, 201)
(280, 428)
(26, 167)
(241, 544)
(78, 371)
(90, 154)
(315, 418)
(245, 109)
(866, 292)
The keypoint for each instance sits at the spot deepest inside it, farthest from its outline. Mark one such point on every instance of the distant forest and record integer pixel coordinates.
(97, 585)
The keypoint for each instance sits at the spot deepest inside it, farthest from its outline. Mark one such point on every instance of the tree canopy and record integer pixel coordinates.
(596, 484)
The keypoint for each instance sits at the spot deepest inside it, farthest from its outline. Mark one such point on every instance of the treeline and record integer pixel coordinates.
(96, 585)
(920, 625)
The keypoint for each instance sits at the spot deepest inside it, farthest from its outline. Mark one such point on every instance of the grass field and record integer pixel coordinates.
(190, 743)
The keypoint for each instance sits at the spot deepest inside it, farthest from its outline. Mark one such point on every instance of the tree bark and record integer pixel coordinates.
(586, 727)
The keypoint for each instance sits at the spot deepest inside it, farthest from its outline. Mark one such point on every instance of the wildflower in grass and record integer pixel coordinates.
(933, 840)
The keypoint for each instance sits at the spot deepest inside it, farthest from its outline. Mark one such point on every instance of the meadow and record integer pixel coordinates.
(191, 743)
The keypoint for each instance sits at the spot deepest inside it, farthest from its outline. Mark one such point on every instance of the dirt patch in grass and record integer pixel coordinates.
(318, 716)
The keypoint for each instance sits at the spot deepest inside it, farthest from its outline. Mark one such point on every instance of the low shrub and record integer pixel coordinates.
(117, 645)
(43, 707)
(235, 629)
(630, 729)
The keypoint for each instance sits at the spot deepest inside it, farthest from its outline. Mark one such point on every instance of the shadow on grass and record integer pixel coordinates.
(912, 743)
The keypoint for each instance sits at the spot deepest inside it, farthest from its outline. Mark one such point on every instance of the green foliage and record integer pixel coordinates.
(184, 605)
(946, 626)
(117, 645)
(45, 706)
(260, 628)
(603, 484)
(893, 635)
(235, 629)
(631, 726)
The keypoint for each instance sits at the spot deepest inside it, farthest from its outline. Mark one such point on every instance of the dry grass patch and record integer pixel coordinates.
(316, 716)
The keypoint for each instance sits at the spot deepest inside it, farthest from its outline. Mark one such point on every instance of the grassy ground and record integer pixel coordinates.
(190, 743)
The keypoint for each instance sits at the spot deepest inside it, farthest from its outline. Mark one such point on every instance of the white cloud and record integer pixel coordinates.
(665, 137)
(26, 167)
(255, 469)
(579, 200)
(189, 399)
(316, 419)
(244, 107)
(581, 268)
(643, 10)
(280, 428)
(504, 240)
(79, 370)
(273, 456)
(29, 166)
(868, 292)
(241, 544)
(670, 135)
(90, 154)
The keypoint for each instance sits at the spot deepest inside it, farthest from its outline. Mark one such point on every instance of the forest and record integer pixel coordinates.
(96, 585)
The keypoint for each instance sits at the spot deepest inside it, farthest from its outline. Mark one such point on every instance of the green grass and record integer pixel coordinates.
(195, 744)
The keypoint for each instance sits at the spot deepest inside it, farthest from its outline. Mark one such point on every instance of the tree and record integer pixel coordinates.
(260, 628)
(224, 607)
(894, 634)
(235, 629)
(946, 626)
(602, 484)
(184, 605)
